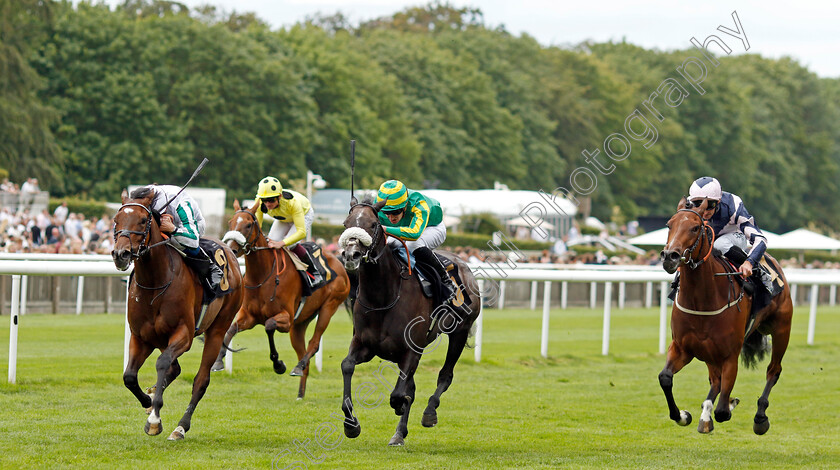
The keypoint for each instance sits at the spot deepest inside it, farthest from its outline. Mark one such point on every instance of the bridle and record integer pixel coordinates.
(378, 232)
(249, 245)
(708, 231)
(143, 248)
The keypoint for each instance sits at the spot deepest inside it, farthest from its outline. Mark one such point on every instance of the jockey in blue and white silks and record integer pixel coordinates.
(735, 228)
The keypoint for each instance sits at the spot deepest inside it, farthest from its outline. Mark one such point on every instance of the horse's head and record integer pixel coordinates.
(364, 236)
(690, 237)
(244, 230)
(134, 225)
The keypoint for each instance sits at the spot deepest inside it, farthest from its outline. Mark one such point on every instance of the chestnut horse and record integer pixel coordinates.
(709, 322)
(164, 307)
(273, 295)
(391, 318)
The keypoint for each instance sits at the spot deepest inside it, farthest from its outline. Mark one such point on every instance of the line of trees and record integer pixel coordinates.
(93, 99)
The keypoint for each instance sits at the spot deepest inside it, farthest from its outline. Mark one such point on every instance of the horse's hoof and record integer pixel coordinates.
(396, 441)
(760, 426)
(352, 431)
(705, 427)
(297, 372)
(279, 367)
(177, 434)
(218, 366)
(429, 420)
(153, 429)
(685, 418)
(723, 416)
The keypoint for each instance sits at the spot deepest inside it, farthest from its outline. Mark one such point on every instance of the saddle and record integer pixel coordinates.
(432, 285)
(318, 273)
(753, 287)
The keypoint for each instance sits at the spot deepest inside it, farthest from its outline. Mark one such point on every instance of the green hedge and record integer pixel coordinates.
(90, 209)
(810, 255)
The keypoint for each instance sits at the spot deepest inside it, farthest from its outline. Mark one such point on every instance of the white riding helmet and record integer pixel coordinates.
(705, 187)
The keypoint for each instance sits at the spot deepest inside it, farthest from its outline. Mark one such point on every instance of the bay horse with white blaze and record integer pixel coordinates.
(273, 295)
(164, 309)
(391, 317)
(709, 321)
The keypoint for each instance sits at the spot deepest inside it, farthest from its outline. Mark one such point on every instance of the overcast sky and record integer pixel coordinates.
(808, 30)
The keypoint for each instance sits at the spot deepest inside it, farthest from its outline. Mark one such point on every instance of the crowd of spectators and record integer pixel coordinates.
(60, 232)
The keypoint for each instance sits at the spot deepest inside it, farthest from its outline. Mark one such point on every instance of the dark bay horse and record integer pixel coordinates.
(273, 294)
(709, 322)
(164, 305)
(391, 317)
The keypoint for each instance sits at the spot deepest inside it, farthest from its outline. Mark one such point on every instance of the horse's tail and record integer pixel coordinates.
(224, 346)
(350, 301)
(470, 336)
(754, 349)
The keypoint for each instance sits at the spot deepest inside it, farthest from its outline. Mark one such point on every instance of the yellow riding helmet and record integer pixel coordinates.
(269, 187)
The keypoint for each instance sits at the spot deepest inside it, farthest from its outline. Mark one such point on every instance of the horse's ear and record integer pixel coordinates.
(379, 205)
(683, 203)
(236, 205)
(124, 195)
(703, 206)
(353, 201)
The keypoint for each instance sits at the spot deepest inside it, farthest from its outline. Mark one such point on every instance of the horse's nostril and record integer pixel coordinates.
(356, 255)
(662, 254)
(674, 255)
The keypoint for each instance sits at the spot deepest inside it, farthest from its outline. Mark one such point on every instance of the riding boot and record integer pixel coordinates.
(208, 271)
(426, 256)
(306, 278)
(312, 275)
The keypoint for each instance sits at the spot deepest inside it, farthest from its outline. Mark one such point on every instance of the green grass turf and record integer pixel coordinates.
(576, 409)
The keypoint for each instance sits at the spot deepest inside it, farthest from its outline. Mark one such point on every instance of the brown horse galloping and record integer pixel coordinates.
(273, 294)
(391, 318)
(709, 322)
(164, 305)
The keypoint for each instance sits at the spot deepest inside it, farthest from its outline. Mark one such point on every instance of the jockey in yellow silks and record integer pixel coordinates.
(292, 213)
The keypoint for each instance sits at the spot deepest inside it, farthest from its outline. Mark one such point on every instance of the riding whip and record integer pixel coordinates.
(195, 173)
(352, 166)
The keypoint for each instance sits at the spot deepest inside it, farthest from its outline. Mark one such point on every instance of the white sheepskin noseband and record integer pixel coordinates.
(236, 236)
(354, 233)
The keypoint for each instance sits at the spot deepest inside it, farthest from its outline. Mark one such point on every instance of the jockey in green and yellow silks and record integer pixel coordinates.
(418, 220)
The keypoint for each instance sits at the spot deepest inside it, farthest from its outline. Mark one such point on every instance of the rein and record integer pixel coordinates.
(377, 233)
(249, 248)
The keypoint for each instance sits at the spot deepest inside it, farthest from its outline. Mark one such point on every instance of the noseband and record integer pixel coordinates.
(248, 247)
(142, 249)
(378, 232)
(710, 235)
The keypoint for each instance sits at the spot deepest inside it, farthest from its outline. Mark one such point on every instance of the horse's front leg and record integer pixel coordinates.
(706, 425)
(178, 344)
(358, 354)
(676, 360)
(403, 396)
(138, 352)
(212, 344)
(729, 370)
(278, 322)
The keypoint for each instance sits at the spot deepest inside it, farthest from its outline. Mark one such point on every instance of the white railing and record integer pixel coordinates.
(19, 266)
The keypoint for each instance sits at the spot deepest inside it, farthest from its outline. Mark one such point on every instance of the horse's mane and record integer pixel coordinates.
(146, 192)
